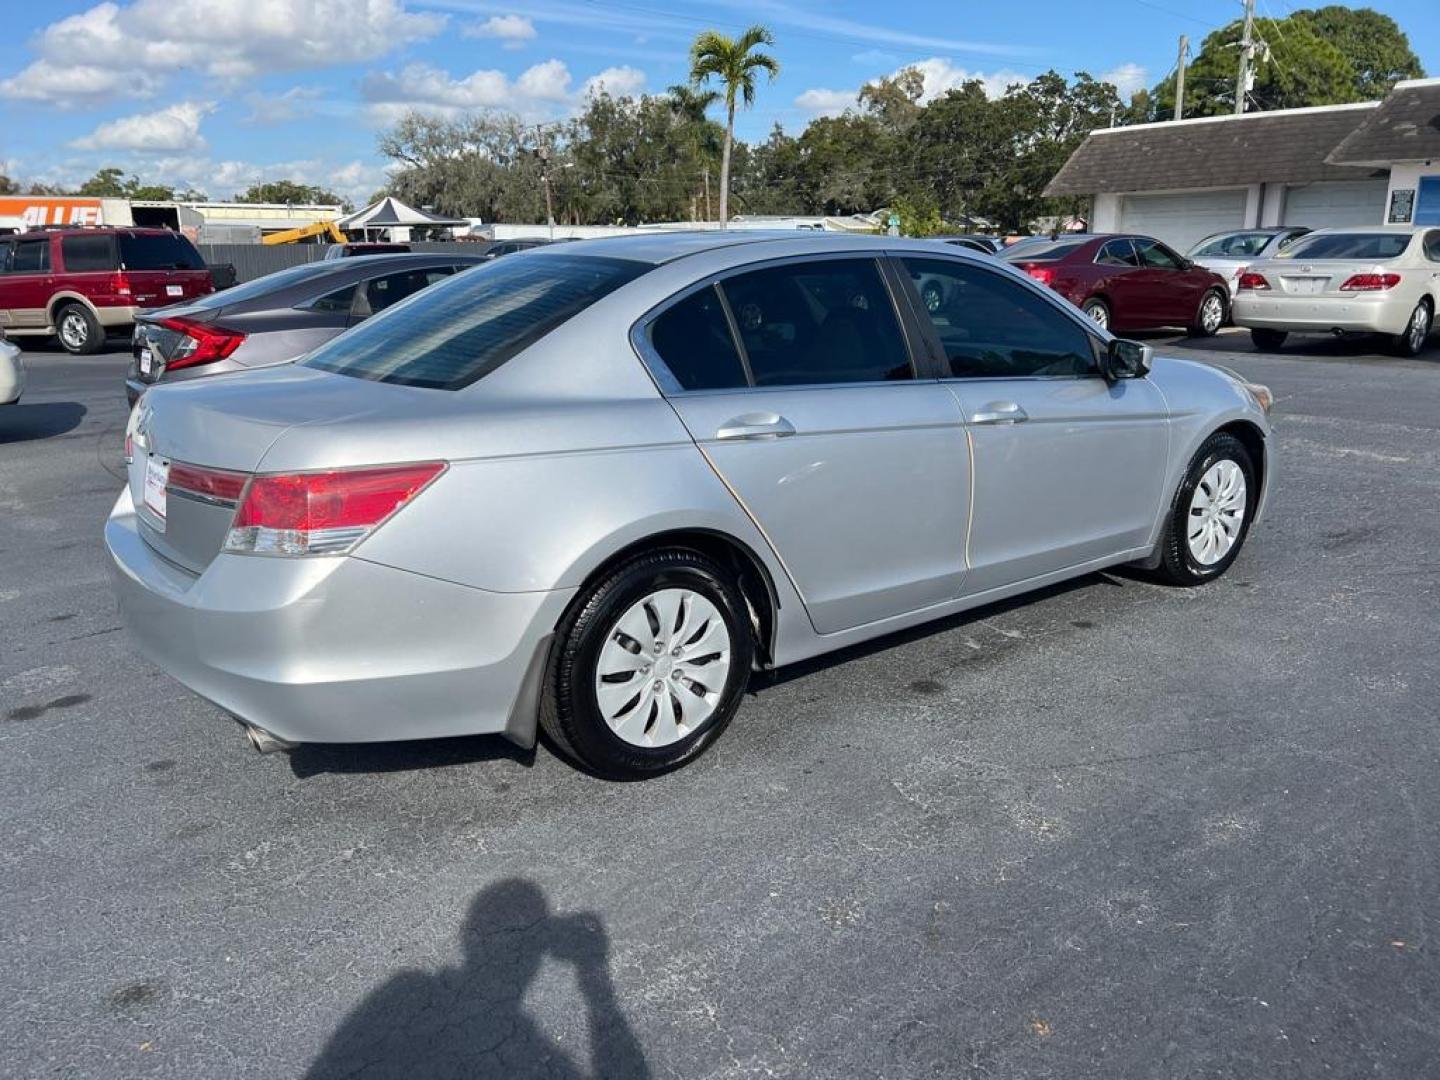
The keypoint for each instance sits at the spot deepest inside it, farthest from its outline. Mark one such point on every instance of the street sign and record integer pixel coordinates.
(893, 225)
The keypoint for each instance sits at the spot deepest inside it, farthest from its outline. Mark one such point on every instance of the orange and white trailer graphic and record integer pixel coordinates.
(38, 210)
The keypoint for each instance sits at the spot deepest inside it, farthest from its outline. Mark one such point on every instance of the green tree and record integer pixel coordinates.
(8, 186)
(107, 183)
(1378, 50)
(288, 191)
(734, 63)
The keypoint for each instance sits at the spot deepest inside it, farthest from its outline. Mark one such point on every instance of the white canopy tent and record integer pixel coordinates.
(385, 219)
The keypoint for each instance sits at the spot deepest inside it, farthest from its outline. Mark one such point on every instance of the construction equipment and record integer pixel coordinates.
(295, 236)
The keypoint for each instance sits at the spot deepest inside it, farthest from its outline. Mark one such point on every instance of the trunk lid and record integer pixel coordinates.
(1317, 277)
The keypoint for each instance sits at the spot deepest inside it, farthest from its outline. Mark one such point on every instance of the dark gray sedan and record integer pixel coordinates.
(276, 318)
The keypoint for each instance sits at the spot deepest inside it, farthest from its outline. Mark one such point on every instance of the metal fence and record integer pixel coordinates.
(256, 260)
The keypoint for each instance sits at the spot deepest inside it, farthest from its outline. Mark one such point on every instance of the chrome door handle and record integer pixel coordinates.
(756, 426)
(1000, 412)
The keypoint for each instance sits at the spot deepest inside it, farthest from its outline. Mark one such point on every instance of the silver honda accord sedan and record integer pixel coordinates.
(589, 489)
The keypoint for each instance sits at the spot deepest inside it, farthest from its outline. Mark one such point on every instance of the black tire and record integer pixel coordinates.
(1199, 327)
(570, 715)
(1178, 565)
(1097, 311)
(79, 332)
(1268, 340)
(1411, 340)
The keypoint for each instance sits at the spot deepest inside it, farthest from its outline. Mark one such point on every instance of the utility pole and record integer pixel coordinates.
(1245, 77)
(542, 154)
(1180, 78)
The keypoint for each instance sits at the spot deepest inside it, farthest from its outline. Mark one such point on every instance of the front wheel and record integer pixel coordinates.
(1098, 312)
(1411, 340)
(79, 331)
(648, 666)
(1268, 340)
(1210, 517)
(1210, 316)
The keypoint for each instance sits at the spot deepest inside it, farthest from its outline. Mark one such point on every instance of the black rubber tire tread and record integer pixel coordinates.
(1197, 330)
(1400, 343)
(94, 332)
(571, 722)
(1176, 565)
(1268, 340)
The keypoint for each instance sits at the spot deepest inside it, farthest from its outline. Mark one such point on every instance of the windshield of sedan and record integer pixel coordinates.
(1376, 245)
(1238, 245)
(460, 330)
(1042, 250)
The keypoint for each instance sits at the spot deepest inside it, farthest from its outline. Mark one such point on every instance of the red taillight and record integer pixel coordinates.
(323, 513)
(215, 485)
(1253, 281)
(1043, 274)
(1370, 282)
(120, 283)
(202, 344)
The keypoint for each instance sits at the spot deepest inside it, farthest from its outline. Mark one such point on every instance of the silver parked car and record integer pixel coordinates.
(593, 489)
(1229, 253)
(275, 318)
(12, 371)
(1345, 281)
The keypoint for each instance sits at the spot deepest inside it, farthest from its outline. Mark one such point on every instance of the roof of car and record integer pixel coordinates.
(664, 247)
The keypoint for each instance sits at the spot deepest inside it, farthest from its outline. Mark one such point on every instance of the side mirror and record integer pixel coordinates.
(1126, 360)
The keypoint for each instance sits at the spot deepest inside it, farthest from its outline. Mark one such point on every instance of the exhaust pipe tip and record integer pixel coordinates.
(266, 743)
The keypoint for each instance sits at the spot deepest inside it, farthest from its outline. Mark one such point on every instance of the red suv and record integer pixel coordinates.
(80, 284)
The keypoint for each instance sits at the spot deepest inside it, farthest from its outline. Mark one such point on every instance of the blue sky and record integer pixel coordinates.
(220, 93)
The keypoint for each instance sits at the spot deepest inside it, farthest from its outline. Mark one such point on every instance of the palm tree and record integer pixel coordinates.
(700, 134)
(734, 64)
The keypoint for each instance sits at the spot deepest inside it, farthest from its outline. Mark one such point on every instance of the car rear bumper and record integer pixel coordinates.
(336, 649)
(1364, 314)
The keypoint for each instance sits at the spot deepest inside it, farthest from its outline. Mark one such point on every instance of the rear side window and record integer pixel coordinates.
(462, 329)
(31, 257)
(1349, 246)
(1432, 245)
(338, 302)
(158, 251)
(816, 322)
(694, 340)
(992, 327)
(87, 253)
(382, 292)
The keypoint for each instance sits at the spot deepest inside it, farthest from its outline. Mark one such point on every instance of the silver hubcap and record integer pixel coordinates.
(1099, 314)
(1217, 511)
(932, 298)
(663, 668)
(1211, 312)
(73, 330)
(1419, 327)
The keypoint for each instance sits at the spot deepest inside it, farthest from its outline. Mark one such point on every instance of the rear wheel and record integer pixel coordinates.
(1268, 340)
(1098, 311)
(1411, 340)
(1210, 315)
(648, 666)
(1210, 517)
(79, 331)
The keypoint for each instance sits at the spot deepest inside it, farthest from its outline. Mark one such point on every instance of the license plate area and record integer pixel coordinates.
(146, 356)
(157, 477)
(174, 290)
(1305, 286)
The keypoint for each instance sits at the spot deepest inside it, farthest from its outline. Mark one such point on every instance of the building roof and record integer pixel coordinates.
(1285, 146)
(1406, 127)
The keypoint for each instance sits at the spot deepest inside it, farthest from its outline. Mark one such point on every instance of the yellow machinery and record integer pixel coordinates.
(294, 236)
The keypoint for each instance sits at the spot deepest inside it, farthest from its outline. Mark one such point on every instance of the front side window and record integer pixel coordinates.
(694, 340)
(1156, 256)
(31, 257)
(1118, 253)
(817, 322)
(83, 254)
(992, 327)
(462, 329)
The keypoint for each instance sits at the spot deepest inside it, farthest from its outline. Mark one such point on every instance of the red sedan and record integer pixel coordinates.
(1127, 282)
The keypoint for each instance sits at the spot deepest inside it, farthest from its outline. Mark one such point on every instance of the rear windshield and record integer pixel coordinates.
(453, 333)
(1237, 245)
(1348, 246)
(1042, 250)
(263, 286)
(158, 251)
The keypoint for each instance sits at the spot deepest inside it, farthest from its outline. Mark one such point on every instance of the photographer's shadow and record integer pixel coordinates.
(470, 1022)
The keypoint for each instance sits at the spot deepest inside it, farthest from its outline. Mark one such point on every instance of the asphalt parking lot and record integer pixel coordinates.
(1114, 830)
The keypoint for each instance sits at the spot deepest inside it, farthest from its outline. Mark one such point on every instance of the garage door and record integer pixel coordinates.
(1182, 219)
(1337, 202)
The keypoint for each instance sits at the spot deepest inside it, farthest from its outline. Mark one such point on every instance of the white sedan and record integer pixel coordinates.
(12, 373)
(1344, 281)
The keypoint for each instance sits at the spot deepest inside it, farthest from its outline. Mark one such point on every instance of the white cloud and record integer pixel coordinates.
(542, 90)
(616, 81)
(112, 50)
(1127, 78)
(938, 75)
(824, 102)
(294, 104)
(549, 81)
(513, 30)
(171, 129)
(353, 180)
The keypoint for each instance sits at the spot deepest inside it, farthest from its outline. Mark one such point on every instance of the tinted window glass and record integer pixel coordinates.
(382, 292)
(455, 333)
(1348, 246)
(1156, 256)
(31, 257)
(694, 340)
(85, 253)
(990, 326)
(158, 251)
(1042, 250)
(1237, 245)
(263, 286)
(338, 302)
(1117, 253)
(824, 321)
(1432, 245)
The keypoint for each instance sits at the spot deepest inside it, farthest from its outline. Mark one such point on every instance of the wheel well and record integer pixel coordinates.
(1253, 439)
(750, 573)
(63, 300)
